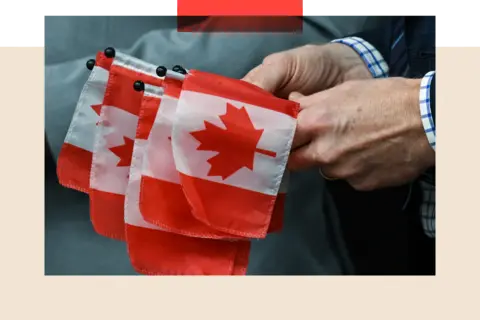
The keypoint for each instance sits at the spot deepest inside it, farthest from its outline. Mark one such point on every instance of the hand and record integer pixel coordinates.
(308, 69)
(368, 133)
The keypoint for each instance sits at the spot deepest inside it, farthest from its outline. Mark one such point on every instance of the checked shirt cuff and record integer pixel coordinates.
(373, 59)
(425, 111)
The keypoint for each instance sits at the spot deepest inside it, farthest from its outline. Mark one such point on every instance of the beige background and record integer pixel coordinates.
(28, 294)
(459, 42)
(19, 42)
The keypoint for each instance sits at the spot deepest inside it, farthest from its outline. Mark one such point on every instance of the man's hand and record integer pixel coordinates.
(308, 69)
(368, 133)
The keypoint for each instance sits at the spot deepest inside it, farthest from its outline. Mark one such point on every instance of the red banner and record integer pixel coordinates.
(239, 8)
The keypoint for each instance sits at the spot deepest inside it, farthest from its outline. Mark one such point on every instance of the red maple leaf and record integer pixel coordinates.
(97, 108)
(236, 145)
(124, 152)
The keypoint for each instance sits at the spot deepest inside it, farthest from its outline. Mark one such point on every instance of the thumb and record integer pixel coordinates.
(269, 76)
(266, 77)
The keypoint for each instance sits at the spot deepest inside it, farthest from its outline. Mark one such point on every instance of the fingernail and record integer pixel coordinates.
(294, 96)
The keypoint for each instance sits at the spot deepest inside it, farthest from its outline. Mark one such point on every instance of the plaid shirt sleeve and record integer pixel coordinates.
(373, 59)
(425, 110)
(379, 69)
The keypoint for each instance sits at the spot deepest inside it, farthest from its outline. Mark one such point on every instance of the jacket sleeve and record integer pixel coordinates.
(381, 37)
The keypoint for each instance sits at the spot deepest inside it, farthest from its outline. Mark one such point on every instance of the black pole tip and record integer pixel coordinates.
(109, 52)
(179, 69)
(161, 71)
(90, 64)
(139, 85)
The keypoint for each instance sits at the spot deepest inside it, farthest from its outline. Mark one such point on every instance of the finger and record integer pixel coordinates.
(273, 73)
(361, 183)
(252, 74)
(301, 138)
(266, 76)
(338, 169)
(304, 129)
(366, 179)
(302, 158)
(324, 172)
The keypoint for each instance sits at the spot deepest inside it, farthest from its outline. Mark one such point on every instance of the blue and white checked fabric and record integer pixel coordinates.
(379, 69)
(373, 59)
(427, 209)
(425, 111)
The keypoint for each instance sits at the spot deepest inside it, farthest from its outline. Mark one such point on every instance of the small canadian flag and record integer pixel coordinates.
(231, 142)
(75, 159)
(162, 200)
(154, 251)
(112, 151)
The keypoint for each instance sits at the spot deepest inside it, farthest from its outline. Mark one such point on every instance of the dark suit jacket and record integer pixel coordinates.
(382, 229)
(420, 46)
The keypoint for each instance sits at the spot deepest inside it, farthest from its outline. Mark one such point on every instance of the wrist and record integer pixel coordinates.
(348, 63)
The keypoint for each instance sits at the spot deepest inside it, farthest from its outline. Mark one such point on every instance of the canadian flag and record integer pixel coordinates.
(231, 142)
(162, 200)
(112, 151)
(154, 251)
(75, 159)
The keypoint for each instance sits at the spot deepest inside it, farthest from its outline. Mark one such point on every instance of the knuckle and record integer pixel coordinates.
(328, 156)
(314, 154)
